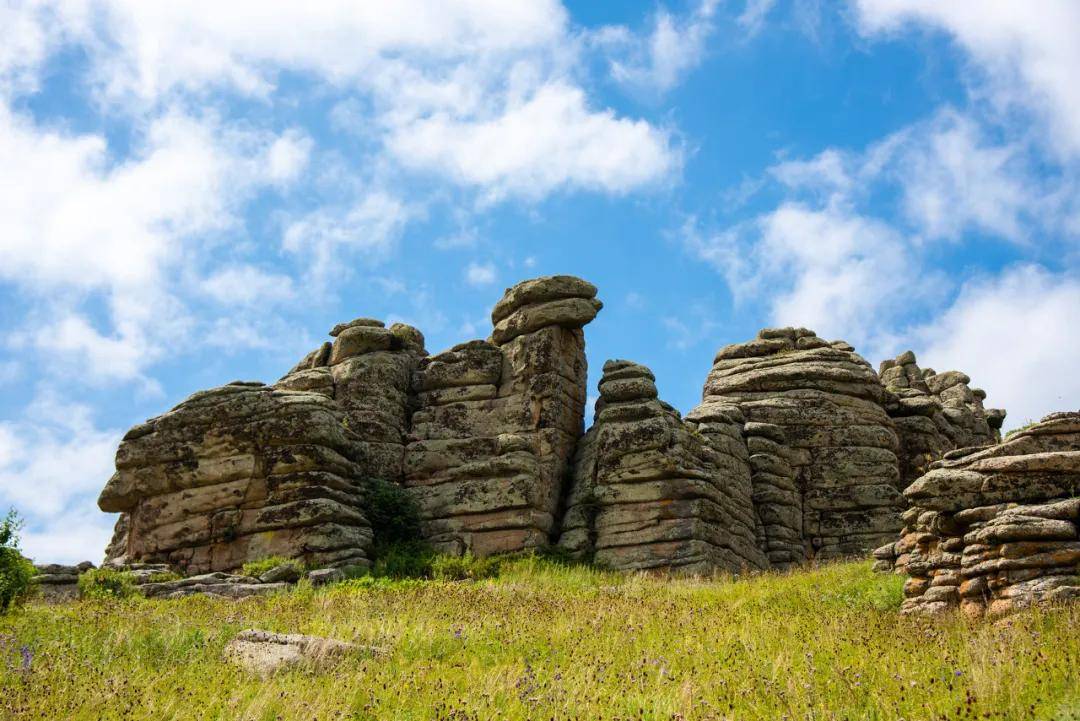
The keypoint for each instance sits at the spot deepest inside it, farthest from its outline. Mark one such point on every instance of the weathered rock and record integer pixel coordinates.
(497, 422)
(324, 576)
(239, 473)
(934, 413)
(994, 529)
(264, 652)
(829, 482)
(57, 583)
(651, 491)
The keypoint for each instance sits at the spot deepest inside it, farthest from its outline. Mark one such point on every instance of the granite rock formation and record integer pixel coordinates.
(57, 583)
(832, 464)
(934, 413)
(993, 529)
(651, 490)
(797, 451)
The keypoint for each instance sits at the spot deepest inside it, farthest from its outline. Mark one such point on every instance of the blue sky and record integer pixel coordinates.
(192, 193)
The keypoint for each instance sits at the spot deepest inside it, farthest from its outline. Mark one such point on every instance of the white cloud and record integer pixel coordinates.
(949, 176)
(752, 18)
(480, 274)
(839, 273)
(656, 64)
(483, 69)
(324, 238)
(1027, 53)
(1015, 335)
(53, 462)
(77, 222)
(547, 141)
(247, 285)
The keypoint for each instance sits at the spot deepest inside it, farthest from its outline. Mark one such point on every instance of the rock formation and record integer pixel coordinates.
(934, 413)
(996, 528)
(792, 454)
(57, 583)
(832, 459)
(651, 490)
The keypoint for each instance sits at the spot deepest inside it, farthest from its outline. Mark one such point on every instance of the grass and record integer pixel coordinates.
(546, 640)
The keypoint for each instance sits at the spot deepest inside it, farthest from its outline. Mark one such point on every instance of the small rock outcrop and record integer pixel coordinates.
(832, 459)
(994, 529)
(57, 583)
(265, 652)
(651, 490)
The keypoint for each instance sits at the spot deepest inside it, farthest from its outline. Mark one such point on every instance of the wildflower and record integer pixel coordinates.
(27, 657)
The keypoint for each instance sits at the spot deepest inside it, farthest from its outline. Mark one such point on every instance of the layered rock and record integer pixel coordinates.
(994, 529)
(934, 413)
(241, 472)
(57, 583)
(831, 467)
(651, 490)
(497, 422)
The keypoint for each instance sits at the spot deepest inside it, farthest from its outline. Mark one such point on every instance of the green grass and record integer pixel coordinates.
(545, 640)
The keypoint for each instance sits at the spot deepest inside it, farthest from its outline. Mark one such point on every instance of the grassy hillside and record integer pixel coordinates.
(545, 641)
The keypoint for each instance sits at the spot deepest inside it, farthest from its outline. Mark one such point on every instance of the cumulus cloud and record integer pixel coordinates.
(53, 461)
(1027, 55)
(1015, 335)
(538, 144)
(480, 274)
(325, 238)
(676, 45)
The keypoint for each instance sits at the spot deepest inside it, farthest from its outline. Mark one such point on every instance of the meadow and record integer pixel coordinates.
(545, 640)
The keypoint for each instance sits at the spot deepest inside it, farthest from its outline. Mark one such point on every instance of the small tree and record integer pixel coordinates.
(16, 572)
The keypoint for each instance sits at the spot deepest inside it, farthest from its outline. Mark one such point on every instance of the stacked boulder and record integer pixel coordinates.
(822, 404)
(236, 473)
(497, 422)
(934, 413)
(57, 583)
(651, 490)
(994, 529)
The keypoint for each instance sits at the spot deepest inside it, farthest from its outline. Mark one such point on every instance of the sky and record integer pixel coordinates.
(194, 193)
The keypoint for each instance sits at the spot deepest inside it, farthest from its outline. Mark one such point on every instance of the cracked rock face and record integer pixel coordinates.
(651, 490)
(797, 451)
(934, 413)
(835, 453)
(994, 529)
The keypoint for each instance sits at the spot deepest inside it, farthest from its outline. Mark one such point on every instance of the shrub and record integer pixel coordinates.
(107, 583)
(467, 567)
(16, 572)
(404, 559)
(392, 513)
(258, 568)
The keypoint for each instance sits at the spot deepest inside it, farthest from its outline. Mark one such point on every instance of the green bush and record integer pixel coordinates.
(258, 568)
(16, 572)
(392, 513)
(404, 559)
(107, 583)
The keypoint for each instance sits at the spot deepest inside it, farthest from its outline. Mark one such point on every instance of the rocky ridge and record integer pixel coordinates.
(798, 451)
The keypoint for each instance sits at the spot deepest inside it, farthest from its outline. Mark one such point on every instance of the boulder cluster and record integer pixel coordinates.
(995, 528)
(798, 451)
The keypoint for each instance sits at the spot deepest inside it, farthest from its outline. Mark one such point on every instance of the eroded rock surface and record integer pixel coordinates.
(994, 529)
(651, 490)
(821, 405)
(934, 413)
(265, 652)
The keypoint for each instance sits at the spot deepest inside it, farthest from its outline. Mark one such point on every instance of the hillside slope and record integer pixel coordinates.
(547, 641)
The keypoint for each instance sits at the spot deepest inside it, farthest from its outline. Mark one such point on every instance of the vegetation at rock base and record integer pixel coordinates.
(16, 572)
(261, 566)
(547, 640)
(106, 583)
